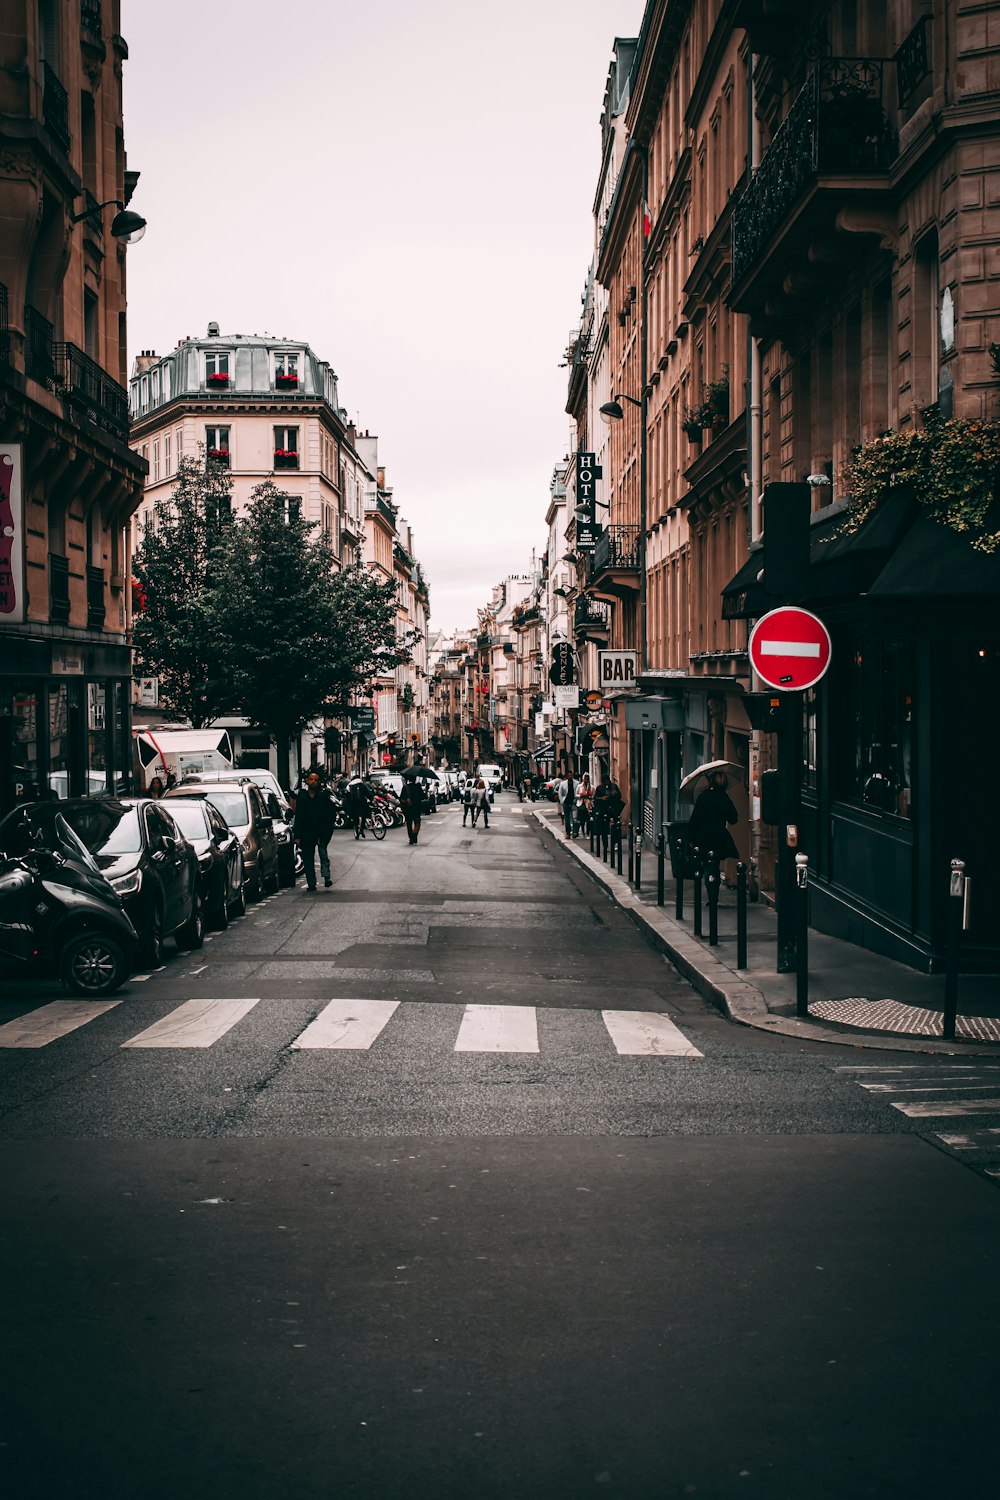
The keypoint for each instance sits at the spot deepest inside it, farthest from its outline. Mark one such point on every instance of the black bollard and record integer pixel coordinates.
(712, 892)
(618, 841)
(741, 915)
(679, 897)
(638, 859)
(696, 924)
(802, 935)
(605, 835)
(957, 897)
(659, 870)
(631, 856)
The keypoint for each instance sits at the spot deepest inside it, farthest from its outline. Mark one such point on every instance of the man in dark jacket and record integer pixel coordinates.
(313, 829)
(708, 830)
(411, 800)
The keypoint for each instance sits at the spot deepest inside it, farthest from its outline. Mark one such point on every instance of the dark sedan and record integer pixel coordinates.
(148, 861)
(220, 858)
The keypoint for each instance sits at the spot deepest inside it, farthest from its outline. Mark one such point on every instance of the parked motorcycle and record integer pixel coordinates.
(55, 910)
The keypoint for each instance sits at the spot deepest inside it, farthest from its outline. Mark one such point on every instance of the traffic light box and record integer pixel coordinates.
(764, 710)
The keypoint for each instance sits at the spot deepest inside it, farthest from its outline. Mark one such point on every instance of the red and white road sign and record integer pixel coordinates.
(790, 649)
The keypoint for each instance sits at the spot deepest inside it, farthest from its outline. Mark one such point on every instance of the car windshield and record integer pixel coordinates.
(106, 828)
(190, 817)
(232, 806)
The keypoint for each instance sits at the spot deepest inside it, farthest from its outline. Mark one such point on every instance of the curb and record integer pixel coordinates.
(725, 988)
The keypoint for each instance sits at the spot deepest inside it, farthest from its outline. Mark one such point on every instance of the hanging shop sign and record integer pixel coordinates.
(617, 670)
(12, 596)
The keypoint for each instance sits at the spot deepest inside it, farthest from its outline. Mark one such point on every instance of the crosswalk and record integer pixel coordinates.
(347, 1024)
(942, 1091)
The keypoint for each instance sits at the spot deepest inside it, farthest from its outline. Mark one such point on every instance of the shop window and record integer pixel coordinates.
(97, 732)
(873, 762)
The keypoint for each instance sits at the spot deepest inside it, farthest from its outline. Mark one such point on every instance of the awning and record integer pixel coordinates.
(934, 562)
(742, 597)
(543, 752)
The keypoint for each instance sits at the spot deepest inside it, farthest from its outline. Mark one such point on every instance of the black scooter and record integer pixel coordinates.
(53, 910)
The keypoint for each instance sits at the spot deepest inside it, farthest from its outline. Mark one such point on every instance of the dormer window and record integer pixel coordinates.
(217, 370)
(286, 370)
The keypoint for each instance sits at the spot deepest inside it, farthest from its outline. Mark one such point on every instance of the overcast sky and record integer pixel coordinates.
(407, 186)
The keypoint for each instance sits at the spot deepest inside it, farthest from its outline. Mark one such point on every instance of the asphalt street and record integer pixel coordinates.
(442, 1183)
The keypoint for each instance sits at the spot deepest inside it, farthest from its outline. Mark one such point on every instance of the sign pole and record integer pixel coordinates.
(790, 812)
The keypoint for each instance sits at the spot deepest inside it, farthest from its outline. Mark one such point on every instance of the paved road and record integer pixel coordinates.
(442, 1183)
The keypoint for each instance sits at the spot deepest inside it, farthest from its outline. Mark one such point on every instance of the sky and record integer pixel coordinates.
(407, 186)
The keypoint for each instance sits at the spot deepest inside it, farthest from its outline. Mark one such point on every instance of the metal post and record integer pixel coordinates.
(638, 858)
(631, 856)
(605, 847)
(712, 892)
(679, 901)
(802, 935)
(659, 869)
(618, 833)
(592, 835)
(741, 915)
(790, 812)
(696, 925)
(957, 918)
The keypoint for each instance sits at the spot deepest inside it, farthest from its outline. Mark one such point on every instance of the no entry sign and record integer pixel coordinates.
(790, 649)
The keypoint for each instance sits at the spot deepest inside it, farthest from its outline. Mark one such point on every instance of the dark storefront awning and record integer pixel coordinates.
(743, 595)
(937, 583)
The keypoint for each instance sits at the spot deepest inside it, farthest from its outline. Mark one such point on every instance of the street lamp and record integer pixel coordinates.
(612, 411)
(126, 226)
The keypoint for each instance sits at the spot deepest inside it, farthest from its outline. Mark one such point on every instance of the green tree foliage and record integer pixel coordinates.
(175, 569)
(295, 633)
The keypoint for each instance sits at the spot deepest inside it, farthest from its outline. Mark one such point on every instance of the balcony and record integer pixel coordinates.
(58, 589)
(55, 107)
(615, 563)
(39, 337)
(95, 598)
(382, 506)
(85, 386)
(591, 617)
(824, 175)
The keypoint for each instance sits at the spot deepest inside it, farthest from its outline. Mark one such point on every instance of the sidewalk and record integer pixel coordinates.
(856, 998)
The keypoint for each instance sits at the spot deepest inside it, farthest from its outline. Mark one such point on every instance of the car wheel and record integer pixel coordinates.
(220, 908)
(192, 934)
(152, 943)
(93, 964)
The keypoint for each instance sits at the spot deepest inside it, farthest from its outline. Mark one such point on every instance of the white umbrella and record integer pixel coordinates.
(732, 771)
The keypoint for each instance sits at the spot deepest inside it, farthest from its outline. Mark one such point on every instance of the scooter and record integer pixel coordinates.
(54, 911)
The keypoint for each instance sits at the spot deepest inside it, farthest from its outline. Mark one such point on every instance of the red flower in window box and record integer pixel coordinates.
(286, 380)
(285, 458)
(219, 455)
(218, 378)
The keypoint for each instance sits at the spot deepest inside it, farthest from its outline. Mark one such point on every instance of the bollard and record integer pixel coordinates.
(592, 835)
(618, 841)
(631, 856)
(605, 836)
(712, 892)
(638, 859)
(679, 897)
(696, 893)
(659, 869)
(741, 915)
(802, 935)
(958, 918)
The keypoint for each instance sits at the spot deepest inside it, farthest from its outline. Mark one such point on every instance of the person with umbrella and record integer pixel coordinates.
(358, 799)
(411, 798)
(708, 830)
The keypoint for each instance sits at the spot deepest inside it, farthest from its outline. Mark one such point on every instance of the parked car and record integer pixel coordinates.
(140, 850)
(277, 806)
(220, 858)
(242, 805)
(57, 909)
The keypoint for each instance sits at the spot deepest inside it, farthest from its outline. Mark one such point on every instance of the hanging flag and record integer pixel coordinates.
(647, 221)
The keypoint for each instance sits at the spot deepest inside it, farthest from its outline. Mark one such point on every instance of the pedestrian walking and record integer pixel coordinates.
(411, 800)
(585, 803)
(708, 830)
(156, 787)
(468, 795)
(566, 792)
(480, 803)
(313, 828)
(358, 799)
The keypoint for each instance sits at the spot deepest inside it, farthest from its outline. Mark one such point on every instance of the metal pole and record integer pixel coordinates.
(659, 870)
(802, 935)
(638, 859)
(790, 812)
(741, 915)
(712, 891)
(679, 901)
(956, 913)
(696, 925)
(618, 835)
(631, 856)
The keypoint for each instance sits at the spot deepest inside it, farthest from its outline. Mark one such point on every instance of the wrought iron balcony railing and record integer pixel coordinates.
(591, 614)
(92, 214)
(82, 381)
(90, 17)
(913, 62)
(618, 549)
(39, 338)
(836, 126)
(55, 107)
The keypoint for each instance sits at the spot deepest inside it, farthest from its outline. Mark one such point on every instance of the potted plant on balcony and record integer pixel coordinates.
(285, 458)
(692, 424)
(717, 397)
(218, 380)
(219, 456)
(287, 382)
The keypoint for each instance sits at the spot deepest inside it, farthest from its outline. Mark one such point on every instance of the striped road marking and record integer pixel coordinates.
(49, 1022)
(350, 1025)
(924, 1088)
(637, 1033)
(196, 1023)
(948, 1107)
(974, 1140)
(498, 1028)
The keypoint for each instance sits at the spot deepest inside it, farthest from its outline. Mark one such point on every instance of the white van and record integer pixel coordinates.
(493, 777)
(183, 752)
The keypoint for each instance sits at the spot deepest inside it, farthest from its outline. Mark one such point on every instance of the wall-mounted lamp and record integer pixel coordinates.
(612, 410)
(125, 226)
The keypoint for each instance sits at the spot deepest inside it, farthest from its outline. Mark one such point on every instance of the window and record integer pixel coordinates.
(217, 367)
(144, 393)
(154, 472)
(154, 387)
(874, 763)
(179, 435)
(286, 369)
(286, 447)
(166, 454)
(217, 444)
(292, 505)
(90, 325)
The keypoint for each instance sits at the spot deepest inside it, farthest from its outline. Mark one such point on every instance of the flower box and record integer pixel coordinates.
(284, 458)
(217, 382)
(219, 456)
(286, 382)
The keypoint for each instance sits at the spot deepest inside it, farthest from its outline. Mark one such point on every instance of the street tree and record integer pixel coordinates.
(175, 569)
(297, 634)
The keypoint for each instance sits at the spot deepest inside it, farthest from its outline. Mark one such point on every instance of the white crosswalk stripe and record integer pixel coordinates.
(949, 1090)
(355, 1025)
(945, 1108)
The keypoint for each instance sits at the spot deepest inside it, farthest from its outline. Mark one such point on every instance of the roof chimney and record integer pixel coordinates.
(213, 330)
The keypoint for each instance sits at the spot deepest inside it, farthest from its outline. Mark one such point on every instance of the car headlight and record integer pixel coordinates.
(127, 885)
(284, 834)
